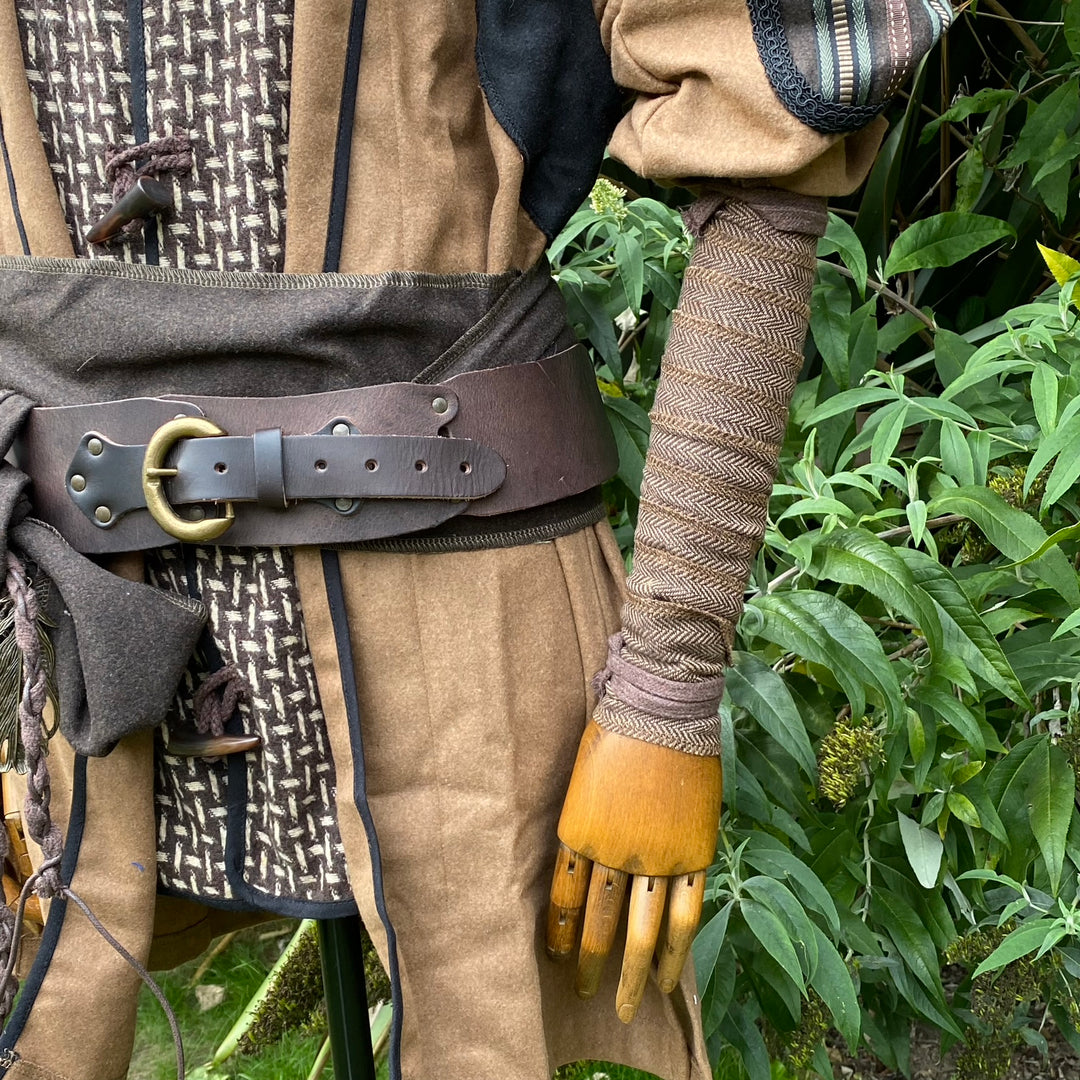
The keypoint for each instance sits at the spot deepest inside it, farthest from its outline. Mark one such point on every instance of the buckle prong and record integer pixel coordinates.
(155, 471)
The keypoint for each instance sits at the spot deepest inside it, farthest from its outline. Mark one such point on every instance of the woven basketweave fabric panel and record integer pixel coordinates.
(291, 844)
(220, 73)
(216, 71)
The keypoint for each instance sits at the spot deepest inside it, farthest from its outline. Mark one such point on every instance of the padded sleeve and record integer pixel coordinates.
(718, 423)
(757, 90)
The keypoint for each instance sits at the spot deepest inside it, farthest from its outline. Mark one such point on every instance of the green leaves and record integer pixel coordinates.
(981, 101)
(1014, 533)
(754, 686)
(1050, 810)
(841, 238)
(833, 982)
(630, 424)
(823, 629)
(966, 635)
(903, 700)
(943, 240)
(769, 930)
(707, 943)
(1023, 940)
(914, 945)
(857, 557)
(924, 850)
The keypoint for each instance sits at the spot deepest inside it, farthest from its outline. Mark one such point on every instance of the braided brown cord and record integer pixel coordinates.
(46, 881)
(170, 154)
(36, 814)
(217, 698)
(39, 824)
(9, 987)
(717, 426)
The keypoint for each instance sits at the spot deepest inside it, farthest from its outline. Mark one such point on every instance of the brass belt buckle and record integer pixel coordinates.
(154, 472)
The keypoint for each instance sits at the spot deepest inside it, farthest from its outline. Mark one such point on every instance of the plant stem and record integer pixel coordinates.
(910, 648)
(214, 953)
(247, 1017)
(958, 135)
(1034, 53)
(884, 290)
(940, 180)
(934, 523)
(888, 534)
(776, 582)
(868, 862)
(321, 1060)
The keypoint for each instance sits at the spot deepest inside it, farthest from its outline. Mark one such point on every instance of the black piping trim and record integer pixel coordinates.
(335, 228)
(265, 902)
(14, 195)
(335, 595)
(236, 786)
(57, 911)
(139, 120)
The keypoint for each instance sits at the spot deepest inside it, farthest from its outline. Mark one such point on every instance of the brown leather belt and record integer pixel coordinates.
(346, 465)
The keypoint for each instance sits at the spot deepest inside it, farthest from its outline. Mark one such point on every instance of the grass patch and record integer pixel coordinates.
(238, 972)
(233, 977)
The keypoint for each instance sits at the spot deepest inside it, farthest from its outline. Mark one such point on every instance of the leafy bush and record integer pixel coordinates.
(902, 721)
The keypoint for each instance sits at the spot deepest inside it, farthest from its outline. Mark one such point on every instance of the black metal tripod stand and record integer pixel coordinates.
(341, 948)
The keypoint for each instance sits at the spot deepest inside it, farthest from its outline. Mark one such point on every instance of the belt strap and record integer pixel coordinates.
(341, 466)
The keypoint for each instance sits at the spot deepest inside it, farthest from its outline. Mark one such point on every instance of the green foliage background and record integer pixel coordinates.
(902, 720)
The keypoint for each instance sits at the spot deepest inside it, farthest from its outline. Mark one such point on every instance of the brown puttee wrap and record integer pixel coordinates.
(543, 420)
(717, 426)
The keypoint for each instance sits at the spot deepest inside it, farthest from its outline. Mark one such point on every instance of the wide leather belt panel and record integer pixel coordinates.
(340, 466)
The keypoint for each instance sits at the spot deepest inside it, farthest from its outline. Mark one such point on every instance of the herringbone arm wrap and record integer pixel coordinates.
(718, 422)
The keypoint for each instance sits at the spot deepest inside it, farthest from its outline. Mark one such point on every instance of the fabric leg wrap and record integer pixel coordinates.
(717, 427)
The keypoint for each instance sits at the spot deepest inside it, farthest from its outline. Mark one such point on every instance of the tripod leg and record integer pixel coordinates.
(346, 998)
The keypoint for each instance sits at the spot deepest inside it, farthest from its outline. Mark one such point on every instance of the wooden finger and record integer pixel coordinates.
(569, 888)
(647, 897)
(687, 896)
(607, 888)
(32, 914)
(18, 856)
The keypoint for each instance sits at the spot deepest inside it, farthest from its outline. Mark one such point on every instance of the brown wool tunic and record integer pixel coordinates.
(465, 775)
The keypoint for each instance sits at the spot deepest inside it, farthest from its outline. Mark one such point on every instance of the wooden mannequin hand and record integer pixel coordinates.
(642, 815)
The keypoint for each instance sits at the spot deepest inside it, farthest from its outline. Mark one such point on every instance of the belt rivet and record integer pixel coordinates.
(78, 483)
(440, 404)
(197, 513)
(341, 429)
(343, 504)
(103, 514)
(95, 446)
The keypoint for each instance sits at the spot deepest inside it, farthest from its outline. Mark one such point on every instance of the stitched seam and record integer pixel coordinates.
(247, 280)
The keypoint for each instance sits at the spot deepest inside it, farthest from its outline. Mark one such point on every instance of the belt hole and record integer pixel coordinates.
(221, 467)
(421, 466)
(465, 467)
(371, 464)
(320, 465)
